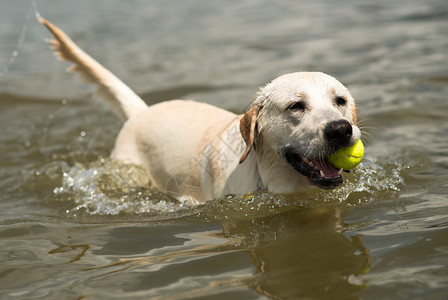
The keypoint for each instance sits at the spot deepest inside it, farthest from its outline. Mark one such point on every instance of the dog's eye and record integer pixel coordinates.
(340, 101)
(297, 106)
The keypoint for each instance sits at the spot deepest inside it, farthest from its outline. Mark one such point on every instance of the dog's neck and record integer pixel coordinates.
(274, 170)
(244, 178)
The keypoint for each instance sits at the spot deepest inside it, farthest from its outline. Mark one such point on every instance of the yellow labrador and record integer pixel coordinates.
(195, 151)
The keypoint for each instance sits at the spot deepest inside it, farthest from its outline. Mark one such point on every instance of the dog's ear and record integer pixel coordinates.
(247, 129)
(355, 120)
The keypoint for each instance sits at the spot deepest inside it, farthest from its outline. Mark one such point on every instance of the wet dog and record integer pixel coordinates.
(195, 151)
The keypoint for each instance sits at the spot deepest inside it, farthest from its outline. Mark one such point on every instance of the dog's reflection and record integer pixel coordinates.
(303, 254)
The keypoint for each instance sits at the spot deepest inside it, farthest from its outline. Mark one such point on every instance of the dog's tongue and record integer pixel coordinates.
(329, 170)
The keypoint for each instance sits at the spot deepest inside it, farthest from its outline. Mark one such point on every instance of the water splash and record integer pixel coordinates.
(108, 187)
(371, 181)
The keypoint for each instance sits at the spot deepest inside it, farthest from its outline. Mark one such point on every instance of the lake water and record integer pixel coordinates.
(76, 225)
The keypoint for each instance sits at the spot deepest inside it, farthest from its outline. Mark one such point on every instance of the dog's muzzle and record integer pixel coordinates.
(319, 172)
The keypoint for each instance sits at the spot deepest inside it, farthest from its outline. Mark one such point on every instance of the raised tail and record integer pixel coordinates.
(117, 94)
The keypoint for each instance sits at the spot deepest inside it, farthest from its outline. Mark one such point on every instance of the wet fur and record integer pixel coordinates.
(195, 151)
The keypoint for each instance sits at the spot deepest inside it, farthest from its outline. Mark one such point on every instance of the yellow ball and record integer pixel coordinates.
(347, 158)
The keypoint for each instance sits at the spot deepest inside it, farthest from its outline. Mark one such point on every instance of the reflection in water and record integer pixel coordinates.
(286, 246)
(297, 253)
(301, 253)
(276, 246)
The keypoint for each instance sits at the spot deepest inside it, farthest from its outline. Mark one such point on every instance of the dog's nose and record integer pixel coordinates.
(338, 133)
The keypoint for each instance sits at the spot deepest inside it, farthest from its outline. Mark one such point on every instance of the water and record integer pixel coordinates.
(75, 224)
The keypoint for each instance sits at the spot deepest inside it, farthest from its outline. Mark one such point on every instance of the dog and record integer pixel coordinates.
(198, 152)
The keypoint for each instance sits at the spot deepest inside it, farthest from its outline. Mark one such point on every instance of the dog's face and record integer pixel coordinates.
(303, 118)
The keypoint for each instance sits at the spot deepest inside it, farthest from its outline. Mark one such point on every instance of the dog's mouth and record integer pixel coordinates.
(319, 172)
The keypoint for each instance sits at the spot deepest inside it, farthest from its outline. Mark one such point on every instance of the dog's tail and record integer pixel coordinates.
(117, 94)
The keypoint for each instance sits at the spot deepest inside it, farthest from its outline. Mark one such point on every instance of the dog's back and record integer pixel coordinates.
(170, 140)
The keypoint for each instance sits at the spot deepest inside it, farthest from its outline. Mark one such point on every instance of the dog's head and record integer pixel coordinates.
(302, 118)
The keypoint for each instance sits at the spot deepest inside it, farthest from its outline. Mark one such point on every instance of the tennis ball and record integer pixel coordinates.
(348, 158)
